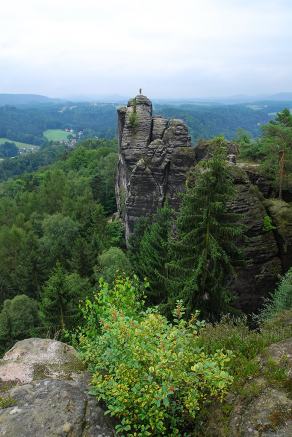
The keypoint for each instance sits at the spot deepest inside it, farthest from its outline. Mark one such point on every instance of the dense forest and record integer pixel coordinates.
(155, 323)
(26, 123)
(54, 222)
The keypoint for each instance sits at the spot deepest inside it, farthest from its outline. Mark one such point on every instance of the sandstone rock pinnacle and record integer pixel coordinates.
(155, 155)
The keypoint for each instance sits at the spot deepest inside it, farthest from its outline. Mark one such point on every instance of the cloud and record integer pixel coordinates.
(186, 48)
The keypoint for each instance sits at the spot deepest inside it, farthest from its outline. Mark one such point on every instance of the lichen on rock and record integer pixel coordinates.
(44, 390)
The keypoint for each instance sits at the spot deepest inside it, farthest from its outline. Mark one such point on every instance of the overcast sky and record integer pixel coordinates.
(181, 48)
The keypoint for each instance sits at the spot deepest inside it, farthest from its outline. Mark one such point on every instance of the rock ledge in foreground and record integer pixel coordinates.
(44, 388)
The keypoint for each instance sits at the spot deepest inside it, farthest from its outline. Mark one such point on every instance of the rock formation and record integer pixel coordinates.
(262, 405)
(155, 155)
(44, 393)
(258, 276)
(268, 411)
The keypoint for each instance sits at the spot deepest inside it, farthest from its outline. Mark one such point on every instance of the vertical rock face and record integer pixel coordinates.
(259, 274)
(155, 155)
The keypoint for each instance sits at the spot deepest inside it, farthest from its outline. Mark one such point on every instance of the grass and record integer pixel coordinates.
(56, 134)
(6, 402)
(18, 144)
(251, 368)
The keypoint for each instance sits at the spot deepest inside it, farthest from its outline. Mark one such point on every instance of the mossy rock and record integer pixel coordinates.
(281, 213)
(44, 392)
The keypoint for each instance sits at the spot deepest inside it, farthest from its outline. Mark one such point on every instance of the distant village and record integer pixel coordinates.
(71, 141)
(73, 138)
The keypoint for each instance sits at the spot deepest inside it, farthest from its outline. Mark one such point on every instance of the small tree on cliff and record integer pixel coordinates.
(277, 140)
(204, 243)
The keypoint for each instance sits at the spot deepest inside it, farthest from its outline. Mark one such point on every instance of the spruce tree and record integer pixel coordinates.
(277, 142)
(151, 254)
(204, 243)
(60, 297)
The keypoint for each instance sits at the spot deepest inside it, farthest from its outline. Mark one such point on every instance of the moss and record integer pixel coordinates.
(276, 419)
(39, 371)
(7, 401)
(6, 385)
(276, 371)
(288, 386)
(281, 213)
(213, 420)
(42, 371)
(251, 390)
(186, 150)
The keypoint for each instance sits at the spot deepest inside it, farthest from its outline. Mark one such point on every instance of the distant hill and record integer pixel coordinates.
(227, 100)
(25, 99)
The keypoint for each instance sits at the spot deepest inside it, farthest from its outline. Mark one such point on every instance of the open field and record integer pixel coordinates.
(56, 134)
(19, 144)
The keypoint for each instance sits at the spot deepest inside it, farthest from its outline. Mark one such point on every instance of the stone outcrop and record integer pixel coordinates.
(281, 215)
(44, 393)
(269, 412)
(262, 261)
(155, 155)
(262, 405)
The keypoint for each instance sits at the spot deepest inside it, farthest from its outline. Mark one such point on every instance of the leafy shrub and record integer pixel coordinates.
(152, 375)
(268, 224)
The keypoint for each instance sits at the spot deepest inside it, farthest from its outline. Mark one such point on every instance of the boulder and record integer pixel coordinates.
(44, 392)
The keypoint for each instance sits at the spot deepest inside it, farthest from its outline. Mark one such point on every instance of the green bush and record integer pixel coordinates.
(133, 117)
(245, 365)
(268, 224)
(111, 261)
(152, 375)
(245, 343)
(19, 319)
(281, 299)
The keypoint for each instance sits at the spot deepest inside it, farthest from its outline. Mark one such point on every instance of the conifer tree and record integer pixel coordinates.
(277, 140)
(151, 254)
(60, 297)
(204, 243)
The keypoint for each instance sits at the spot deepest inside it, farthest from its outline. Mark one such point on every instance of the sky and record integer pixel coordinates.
(171, 49)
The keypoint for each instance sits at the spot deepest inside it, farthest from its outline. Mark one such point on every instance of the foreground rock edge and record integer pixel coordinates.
(44, 392)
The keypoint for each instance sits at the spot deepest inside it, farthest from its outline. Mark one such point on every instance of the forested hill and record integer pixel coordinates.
(57, 216)
(27, 123)
(207, 121)
(24, 99)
